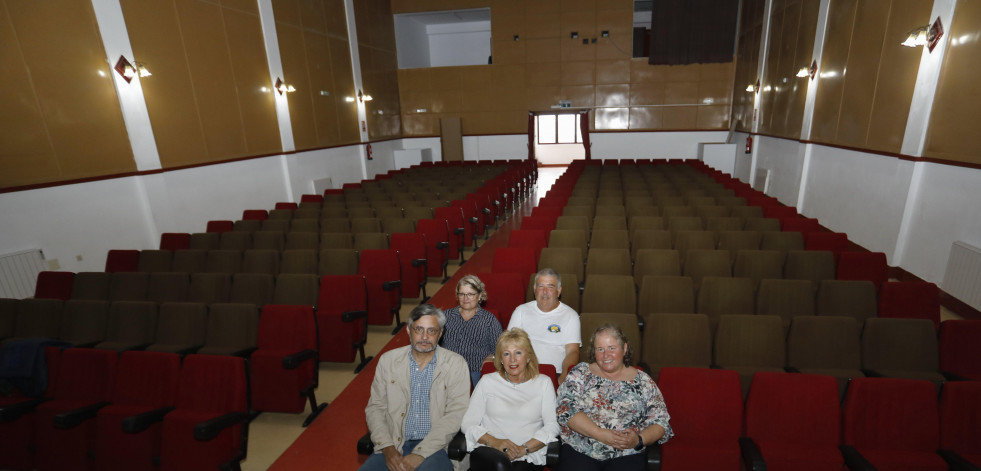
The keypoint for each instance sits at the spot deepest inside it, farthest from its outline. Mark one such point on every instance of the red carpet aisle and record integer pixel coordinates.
(330, 442)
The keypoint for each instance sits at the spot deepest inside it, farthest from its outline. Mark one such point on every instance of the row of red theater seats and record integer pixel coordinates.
(795, 421)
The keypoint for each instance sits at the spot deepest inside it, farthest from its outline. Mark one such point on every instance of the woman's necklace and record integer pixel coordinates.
(507, 376)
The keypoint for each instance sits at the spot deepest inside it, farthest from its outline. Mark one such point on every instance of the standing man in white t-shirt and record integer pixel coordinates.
(552, 326)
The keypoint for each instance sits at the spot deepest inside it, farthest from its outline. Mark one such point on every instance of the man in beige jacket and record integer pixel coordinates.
(418, 397)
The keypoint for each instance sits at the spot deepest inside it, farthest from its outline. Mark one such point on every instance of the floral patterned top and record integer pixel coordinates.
(615, 405)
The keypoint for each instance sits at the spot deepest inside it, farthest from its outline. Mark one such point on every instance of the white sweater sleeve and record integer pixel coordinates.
(471, 425)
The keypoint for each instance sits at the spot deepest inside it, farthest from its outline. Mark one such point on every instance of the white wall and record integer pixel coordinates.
(411, 42)
(784, 159)
(459, 43)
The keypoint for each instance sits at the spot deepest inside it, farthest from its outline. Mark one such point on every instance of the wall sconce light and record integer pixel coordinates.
(753, 88)
(926, 35)
(283, 87)
(349, 99)
(127, 71)
(363, 98)
(574, 35)
(516, 37)
(803, 72)
(808, 71)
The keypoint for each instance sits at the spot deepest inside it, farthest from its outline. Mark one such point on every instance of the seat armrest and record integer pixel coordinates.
(420, 262)
(365, 445)
(442, 245)
(140, 422)
(957, 462)
(951, 376)
(474, 220)
(189, 350)
(854, 460)
(245, 352)
(12, 412)
(350, 316)
(292, 362)
(210, 429)
(86, 344)
(752, 457)
(74, 418)
(791, 369)
(458, 230)
(552, 453)
(390, 285)
(872, 373)
(654, 457)
(457, 448)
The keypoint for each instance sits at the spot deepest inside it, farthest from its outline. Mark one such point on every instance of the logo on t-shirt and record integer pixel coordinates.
(554, 328)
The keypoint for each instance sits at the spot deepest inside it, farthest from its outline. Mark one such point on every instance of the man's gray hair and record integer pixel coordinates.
(427, 310)
(548, 272)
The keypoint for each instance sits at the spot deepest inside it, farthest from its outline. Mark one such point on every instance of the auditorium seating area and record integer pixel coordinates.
(711, 280)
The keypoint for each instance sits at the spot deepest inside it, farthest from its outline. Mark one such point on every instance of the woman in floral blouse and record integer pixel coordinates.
(608, 410)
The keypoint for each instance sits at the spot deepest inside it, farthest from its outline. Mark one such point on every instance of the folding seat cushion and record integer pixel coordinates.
(826, 345)
(342, 318)
(795, 420)
(748, 344)
(284, 365)
(707, 418)
(869, 266)
(175, 241)
(601, 261)
(180, 328)
(130, 325)
(893, 423)
(673, 294)
(91, 285)
(122, 260)
(676, 340)
(910, 300)
(960, 348)
(128, 286)
(85, 379)
(505, 291)
(854, 298)
(785, 298)
(960, 414)
(901, 348)
(610, 293)
(54, 285)
(514, 260)
(145, 382)
(83, 322)
(155, 260)
(209, 387)
(383, 274)
(231, 329)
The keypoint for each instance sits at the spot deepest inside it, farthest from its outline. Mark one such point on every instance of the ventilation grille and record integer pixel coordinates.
(962, 279)
(18, 273)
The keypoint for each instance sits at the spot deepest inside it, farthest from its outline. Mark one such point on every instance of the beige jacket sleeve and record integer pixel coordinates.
(387, 399)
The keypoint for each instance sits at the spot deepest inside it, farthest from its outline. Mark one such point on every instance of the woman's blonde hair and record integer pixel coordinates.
(475, 283)
(519, 338)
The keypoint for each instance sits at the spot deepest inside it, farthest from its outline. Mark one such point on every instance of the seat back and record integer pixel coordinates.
(960, 348)
(660, 294)
(656, 262)
(721, 296)
(562, 260)
(671, 339)
(175, 241)
(91, 285)
(854, 298)
(296, 289)
(570, 239)
(813, 265)
(505, 291)
(750, 341)
(701, 263)
(706, 404)
(231, 328)
(795, 409)
(960, 414)
(600, 261)
(609, 239)
(785, 298)
(522, 261)
(209, 288)
(190, 261)
(338, 262)
(223, 261)
(530, 239)
(84, 321)
(287, 328)
(778, 240)
(370, 241)
(340, 294)
(609, 293)
(737, 240)
(39, 318)
(85, 375)
(180, 325)
(910, 300)
(298, 261)
(382, 268)
(871, 266)
(155, 260)
(167, 287)
(212, 383)
(122, 260)
(128, 286)
(899, 344)
(891, 414)
(260, 261)
(146, 378)
(826, 342)
(253, 288)
(131, 323)
(54, 285)
(237, 239)
(590, 321)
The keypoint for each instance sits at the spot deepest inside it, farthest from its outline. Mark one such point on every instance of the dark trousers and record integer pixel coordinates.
(485, 458)
(572, 460)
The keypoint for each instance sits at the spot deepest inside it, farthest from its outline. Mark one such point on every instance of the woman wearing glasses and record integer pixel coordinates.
(471, 331)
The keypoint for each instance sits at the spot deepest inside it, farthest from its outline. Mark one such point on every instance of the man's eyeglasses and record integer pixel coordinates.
(467, 295)
(419, 330)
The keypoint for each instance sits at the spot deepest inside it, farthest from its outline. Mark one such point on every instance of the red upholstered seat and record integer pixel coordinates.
(342, 317)
(220, 226)
(284, 366)
(175, 241)
(412, 257)
(911, 300)
(457, 227)
(893, 423)
(122, 261)
(960, 414)
(799, 224)
(544, 223)
(530, 239)
(85, 378)
(54, 285)
(960, 348)
(437, 244)
(505, 291)
(835, 242)
(779, 212)
(383, 274)
(210, 387)
(795, 420)
(145, 381)
(17, 438)
(515, 260)
(706, 408)
(869, 266)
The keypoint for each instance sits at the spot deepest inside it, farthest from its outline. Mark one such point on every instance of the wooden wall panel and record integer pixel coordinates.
(546, 65)
(782, 97)
(831, 70)
(61, 118)
(747, 64)
(862, 72)
(953, 132)
(379, 67)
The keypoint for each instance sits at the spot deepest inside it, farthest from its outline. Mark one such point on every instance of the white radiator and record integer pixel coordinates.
(962, 279)
(18, 273)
